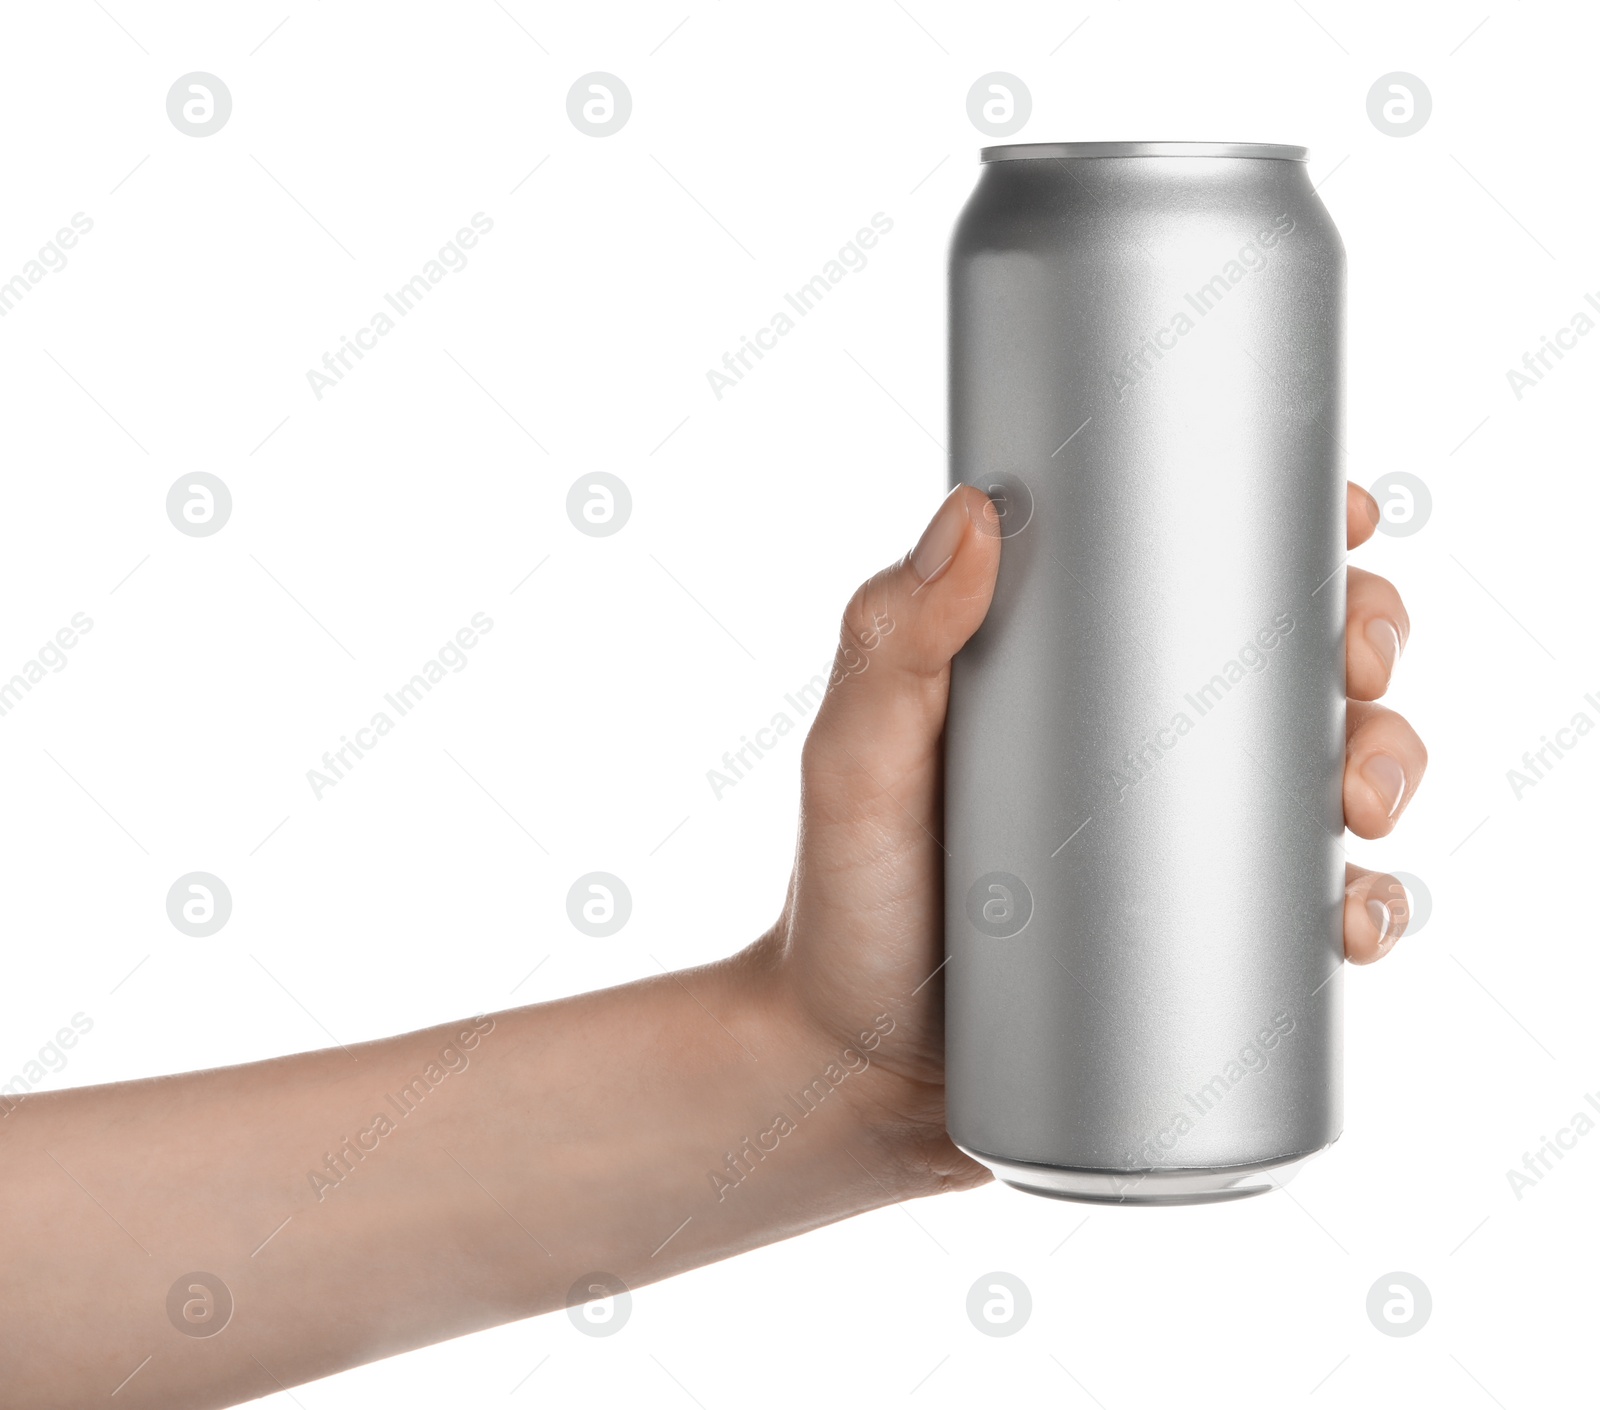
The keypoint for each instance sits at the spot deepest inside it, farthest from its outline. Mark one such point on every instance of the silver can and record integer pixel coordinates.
(1144, 819)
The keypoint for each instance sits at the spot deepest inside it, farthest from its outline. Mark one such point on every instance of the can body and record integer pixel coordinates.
(1144, 753)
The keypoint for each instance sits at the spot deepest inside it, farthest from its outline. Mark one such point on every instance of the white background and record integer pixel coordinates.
(433, 479)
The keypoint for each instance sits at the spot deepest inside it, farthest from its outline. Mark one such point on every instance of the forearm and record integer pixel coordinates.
(356, 1203)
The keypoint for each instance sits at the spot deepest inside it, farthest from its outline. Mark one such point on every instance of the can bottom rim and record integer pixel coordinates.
(1201, 1185)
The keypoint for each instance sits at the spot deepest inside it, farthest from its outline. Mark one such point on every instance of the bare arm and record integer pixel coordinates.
(433, 1184)
(200, 1240)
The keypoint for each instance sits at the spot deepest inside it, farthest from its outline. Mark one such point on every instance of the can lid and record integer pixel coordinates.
(1265, 151)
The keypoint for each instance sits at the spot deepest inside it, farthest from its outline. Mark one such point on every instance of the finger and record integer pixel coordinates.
(885, 704)
(1376, 912)
(1378, 630)
(1384, 763)
(1361, 515)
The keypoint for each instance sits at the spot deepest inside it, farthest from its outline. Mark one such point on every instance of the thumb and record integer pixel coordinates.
(885, 705)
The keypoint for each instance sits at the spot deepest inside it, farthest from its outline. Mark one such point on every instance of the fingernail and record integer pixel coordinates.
(1388, 780)
(1370, 504)
(1385, 639)
(1383, 922)
(940, 539)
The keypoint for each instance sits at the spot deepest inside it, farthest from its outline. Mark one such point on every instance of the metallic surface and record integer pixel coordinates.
(1144, 823)
(1205, 1185)
(1028, 151)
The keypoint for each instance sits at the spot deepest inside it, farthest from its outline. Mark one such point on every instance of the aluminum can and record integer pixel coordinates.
(1143, 761)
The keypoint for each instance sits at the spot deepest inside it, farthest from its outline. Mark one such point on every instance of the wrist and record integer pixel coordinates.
(846, 1075)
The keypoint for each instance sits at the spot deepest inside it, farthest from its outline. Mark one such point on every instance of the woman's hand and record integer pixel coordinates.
(641, 1130)
(862, 931)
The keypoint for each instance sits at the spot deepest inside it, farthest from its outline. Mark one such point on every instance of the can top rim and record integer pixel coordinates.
(1265, 151)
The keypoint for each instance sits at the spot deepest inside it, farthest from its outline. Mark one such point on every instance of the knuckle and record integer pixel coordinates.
(866, 615)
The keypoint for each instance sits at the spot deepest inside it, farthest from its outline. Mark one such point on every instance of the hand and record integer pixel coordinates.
(862, 929)
(656, 1126)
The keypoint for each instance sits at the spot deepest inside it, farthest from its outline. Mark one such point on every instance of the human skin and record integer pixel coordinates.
(592, 1134)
